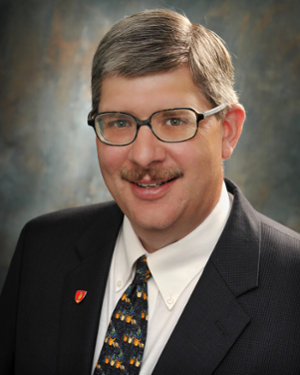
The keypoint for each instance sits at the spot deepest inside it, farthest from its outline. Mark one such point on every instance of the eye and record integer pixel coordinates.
(174, 121)
(117, 123)
(121, 124)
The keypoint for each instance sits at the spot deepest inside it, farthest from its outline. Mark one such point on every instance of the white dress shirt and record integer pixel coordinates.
(175, 270)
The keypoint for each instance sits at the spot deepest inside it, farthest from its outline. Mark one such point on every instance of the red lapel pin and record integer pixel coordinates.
(80, 295)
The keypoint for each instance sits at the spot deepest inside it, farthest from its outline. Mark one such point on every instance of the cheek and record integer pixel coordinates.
(212, 142)
(203, 157)
(110, 158)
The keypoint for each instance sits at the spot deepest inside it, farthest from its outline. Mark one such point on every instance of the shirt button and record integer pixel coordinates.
(119, 283)
(170, 300)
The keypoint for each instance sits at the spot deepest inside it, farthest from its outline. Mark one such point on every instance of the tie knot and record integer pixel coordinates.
(142, 273)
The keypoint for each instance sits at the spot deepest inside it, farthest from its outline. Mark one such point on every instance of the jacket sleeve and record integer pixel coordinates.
(9, 310)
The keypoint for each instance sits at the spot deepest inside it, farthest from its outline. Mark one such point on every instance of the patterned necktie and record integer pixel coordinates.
(123, 348)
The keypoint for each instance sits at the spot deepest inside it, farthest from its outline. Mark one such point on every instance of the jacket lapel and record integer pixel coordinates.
(213, 319)
(80, 321)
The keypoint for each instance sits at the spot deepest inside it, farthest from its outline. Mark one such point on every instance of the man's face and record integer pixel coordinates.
(179, 205)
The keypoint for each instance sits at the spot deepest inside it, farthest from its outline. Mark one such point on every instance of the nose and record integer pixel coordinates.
(146, 150)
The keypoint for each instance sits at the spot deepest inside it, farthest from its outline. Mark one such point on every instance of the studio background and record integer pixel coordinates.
(47, 152)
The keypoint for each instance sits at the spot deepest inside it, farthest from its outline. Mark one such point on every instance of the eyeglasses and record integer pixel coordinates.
(169, 125)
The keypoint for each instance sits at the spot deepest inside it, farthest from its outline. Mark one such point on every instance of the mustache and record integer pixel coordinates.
(137, 174)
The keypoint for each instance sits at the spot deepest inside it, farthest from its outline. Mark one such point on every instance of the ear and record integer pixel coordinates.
(232, 129)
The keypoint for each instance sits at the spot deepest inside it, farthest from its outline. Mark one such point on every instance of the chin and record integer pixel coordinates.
(152, 221)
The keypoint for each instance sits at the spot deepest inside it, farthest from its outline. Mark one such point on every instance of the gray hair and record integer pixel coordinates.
(161, 40)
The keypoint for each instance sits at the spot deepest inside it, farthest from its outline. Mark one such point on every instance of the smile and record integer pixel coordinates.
(153, 185)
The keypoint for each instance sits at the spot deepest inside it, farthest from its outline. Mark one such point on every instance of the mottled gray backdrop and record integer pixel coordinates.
(48, 156)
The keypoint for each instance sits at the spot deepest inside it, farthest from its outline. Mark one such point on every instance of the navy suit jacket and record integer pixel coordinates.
(243, 316)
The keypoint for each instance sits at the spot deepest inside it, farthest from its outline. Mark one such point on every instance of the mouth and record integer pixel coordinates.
(152, 185)
(153, 181)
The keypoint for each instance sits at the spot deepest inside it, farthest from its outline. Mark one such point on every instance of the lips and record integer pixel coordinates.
(152, 185)
(157, 176)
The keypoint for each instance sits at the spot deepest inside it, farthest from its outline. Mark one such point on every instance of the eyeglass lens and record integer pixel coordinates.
(173, 125)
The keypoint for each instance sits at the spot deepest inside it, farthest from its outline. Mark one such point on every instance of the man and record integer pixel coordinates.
(223, 280)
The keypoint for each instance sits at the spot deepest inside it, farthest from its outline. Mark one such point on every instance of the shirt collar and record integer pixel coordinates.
(174, 266)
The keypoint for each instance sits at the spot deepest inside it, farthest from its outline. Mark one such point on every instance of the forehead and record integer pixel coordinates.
(144, 95)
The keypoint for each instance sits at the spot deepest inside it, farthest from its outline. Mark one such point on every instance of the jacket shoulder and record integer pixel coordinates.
(277, 227)
(280, 244)
(65, 227)
(276, 242)
(76, 216)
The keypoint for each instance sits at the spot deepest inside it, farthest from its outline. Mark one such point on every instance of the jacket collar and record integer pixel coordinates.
(236, 256)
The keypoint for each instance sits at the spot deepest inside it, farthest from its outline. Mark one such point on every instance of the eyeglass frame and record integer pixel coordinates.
(200, 116)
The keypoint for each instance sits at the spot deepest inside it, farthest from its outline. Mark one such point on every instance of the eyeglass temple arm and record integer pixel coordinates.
(214, 110)
(91, 119)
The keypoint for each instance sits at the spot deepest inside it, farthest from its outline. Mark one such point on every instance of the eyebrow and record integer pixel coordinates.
(117, 114)
(172, 112)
